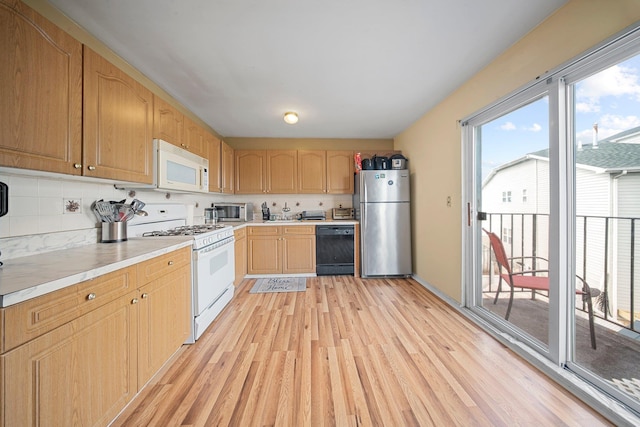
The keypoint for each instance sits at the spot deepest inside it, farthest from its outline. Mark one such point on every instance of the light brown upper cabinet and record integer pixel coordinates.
(228, 168)
(214, 147)
(117, 146)
(325, 171)
(168, 123)
(340, 172)
(41, 87)
(312, 171)
(266, 171)
(282, 170)
(194, 137)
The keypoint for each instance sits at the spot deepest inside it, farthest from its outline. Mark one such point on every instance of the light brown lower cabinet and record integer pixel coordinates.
(281, 249)
(82, 373)
(240, 254)
(164, 310)
(83, 370)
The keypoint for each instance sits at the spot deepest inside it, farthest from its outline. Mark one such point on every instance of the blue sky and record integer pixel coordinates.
(610, 98)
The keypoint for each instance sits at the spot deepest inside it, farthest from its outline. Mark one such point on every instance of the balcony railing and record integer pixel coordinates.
(605, 257)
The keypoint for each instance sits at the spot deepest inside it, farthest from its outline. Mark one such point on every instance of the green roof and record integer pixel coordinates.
(607, 155)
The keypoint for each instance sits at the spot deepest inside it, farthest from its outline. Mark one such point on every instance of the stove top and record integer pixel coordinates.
(185, 230)
(168, 220)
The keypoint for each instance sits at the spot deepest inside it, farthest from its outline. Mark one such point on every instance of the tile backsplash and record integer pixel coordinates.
(42, 207)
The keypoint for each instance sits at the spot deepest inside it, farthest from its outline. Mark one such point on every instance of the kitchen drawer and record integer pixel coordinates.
(162, 265)
(270, 230)
(299, 229)
(29, 319)
(240, 233)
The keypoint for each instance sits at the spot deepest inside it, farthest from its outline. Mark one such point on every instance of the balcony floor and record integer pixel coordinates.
(616, 357)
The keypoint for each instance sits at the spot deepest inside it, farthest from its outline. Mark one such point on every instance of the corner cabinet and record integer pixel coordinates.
(116, 146)
(281, 249)
(41, 87)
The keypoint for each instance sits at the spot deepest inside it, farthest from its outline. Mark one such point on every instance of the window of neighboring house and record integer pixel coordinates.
(506, 197)
(524, 195)
(506, 235)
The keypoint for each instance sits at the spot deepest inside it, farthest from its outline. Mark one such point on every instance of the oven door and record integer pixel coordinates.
(213, 272)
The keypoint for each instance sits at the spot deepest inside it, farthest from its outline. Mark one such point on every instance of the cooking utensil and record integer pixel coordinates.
(105, 209)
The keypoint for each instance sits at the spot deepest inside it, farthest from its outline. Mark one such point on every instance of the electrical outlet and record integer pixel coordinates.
(448, 201)
(72, 206)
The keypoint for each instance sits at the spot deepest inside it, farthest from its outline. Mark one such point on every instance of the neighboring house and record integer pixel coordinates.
(607, 195)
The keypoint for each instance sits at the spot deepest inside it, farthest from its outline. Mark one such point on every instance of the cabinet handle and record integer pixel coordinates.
(170, 263)
(91, 296)
(91, 168)
(77, 165)
(134, 301)
(145, 295)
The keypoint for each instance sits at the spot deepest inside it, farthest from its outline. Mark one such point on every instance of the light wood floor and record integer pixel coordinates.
(350, 352)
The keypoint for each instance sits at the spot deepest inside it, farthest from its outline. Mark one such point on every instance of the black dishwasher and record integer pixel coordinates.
(334, 250)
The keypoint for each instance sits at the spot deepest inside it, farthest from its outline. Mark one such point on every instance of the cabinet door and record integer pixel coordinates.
(215, 162)
(165, 316)
(340, 172)
(82, 373)
(194, 138)
(41, 87)
(116, 146)
(299, 249)
(250, 171)
(312, 171)
(264, 254)
(299, 254)
(240, 255)
(168, 123)
(37, 316)
(228, 168)
(282, 171)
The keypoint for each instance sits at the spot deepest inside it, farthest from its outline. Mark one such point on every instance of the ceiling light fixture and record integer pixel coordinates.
(291, 117)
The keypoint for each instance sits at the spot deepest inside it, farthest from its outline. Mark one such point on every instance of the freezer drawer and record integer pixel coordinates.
(385, 239)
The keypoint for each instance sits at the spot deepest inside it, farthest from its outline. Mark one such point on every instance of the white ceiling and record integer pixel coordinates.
(350, 68)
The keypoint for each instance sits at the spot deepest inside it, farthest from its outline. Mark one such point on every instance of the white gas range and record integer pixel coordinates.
(212, 261)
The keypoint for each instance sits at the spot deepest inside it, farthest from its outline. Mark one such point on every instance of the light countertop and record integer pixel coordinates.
(31, 276)
(260, 222)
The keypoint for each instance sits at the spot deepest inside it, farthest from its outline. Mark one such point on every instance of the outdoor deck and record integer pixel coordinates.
(618, 349)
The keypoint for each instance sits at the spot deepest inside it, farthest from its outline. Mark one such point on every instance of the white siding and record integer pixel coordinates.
(593, 193)
(628, 206)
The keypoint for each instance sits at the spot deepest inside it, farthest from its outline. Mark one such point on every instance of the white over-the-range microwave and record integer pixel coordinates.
(176, 169)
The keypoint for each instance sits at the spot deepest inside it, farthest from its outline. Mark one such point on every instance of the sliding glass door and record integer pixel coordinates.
(605, 129)
(512, 150)
(552, 234)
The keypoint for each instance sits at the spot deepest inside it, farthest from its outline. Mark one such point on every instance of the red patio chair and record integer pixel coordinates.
(528, 280)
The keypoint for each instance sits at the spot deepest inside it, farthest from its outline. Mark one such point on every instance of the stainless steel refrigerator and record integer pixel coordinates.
(382, 204)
